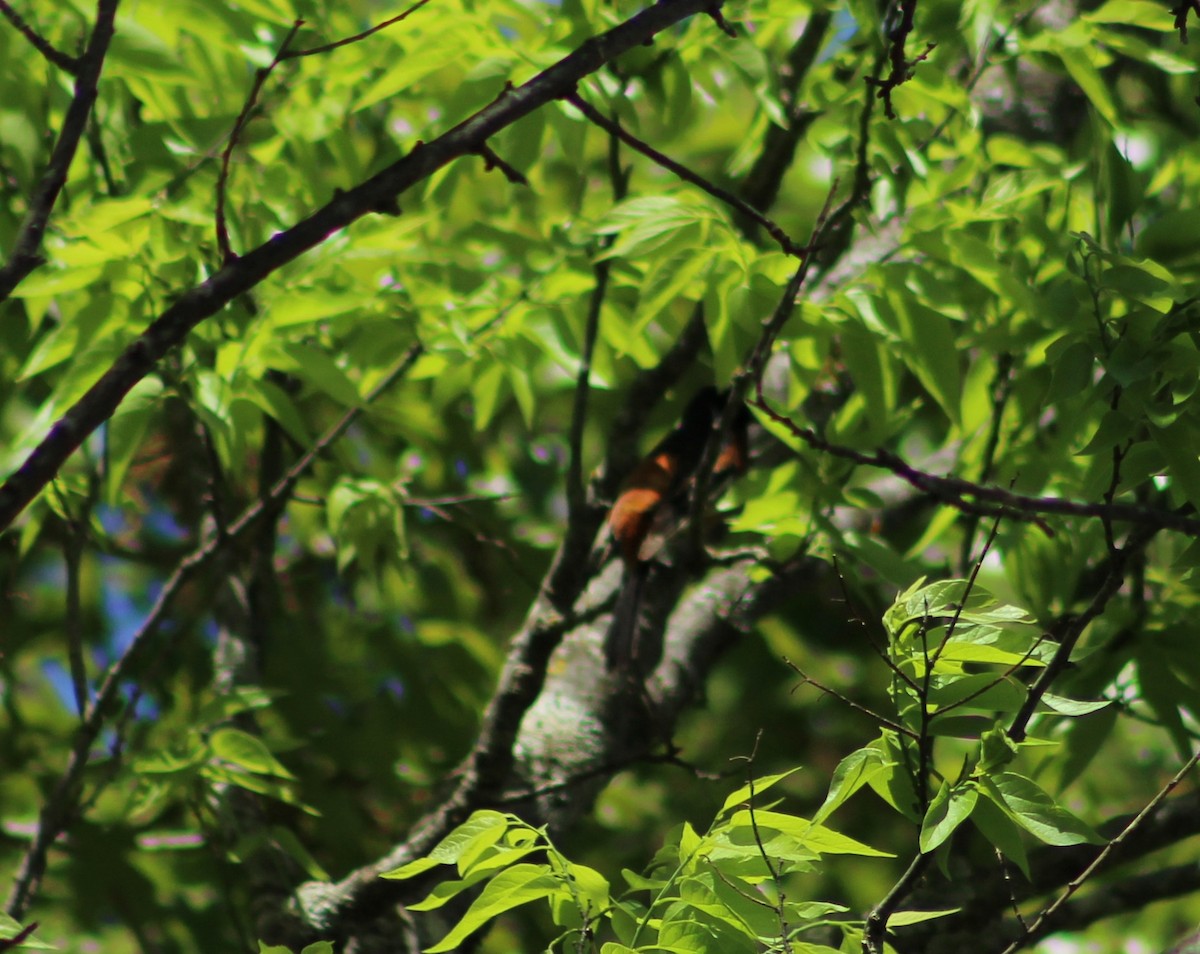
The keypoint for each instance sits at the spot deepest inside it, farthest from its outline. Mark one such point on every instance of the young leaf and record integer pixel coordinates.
(853, 772)
(951, 806)
(510, 889)
(1035, 811)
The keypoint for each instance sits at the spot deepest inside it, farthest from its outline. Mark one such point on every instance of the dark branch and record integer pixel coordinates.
(744, 208)
(380, 191)
(260, 78)
(313, 51)
(1181, 17)
(1118, 563)
(69, 64)
(62, 805)
(988, 500)
(26, 253)
(493, 161)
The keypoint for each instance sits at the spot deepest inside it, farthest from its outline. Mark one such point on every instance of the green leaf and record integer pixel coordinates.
(815, 837)
(646, 223)
(510, 889)
(485, 390)
(1178, 443)
(10, 928)
(956, 650)
(932, 353)
(853, 772)
(894, 783)
(1035, 811)
(278, 404)
(1001, 829)
(1170, 236)
(743, 795)
(411, 869)
(669, 280)
(1137, 13)
(1072, 707)
(996, 750)
(290, 842)
(482, 824)
(1084, 72)
(247, 751)
(125, 432)
(951, 806)
(902, 918)
(318, 369)
(136, 51)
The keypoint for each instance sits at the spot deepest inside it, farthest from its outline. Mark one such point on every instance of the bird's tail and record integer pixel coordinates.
(620, 642)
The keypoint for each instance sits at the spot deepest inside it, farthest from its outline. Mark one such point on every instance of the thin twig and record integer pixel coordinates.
(1077, 882)
(780, 906)
(260, 78)
(69, 64)
(976, 566)
(576, 492)
(613, 128)
(901, 68)
(1010, 886)
(986, 500)
(26, 254)
(970, 697)
(60, 808)
(877, 648)
(492, 161)
(195, 305)
(18, 939)
(1181, 17)
(846, 700)
(1135, 543)
(313, 51)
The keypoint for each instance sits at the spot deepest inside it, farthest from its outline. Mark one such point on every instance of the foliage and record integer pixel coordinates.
(954, 653)
(322, 361)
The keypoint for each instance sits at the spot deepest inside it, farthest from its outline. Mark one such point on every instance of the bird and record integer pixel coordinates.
(650, 502)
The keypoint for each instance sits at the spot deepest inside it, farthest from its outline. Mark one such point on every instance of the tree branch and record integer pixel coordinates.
(379, 192)
(61, 806)
(69, 64)
(26, 254)
(1075, 883)
(747, 211)
(986, 500)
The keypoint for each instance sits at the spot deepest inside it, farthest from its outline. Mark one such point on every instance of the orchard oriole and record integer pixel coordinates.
(648, 504)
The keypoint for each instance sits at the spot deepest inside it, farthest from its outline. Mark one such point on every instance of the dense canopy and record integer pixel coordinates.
(331, 331)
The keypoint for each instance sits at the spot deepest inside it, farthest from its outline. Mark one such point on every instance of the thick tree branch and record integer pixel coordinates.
(379, 192)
